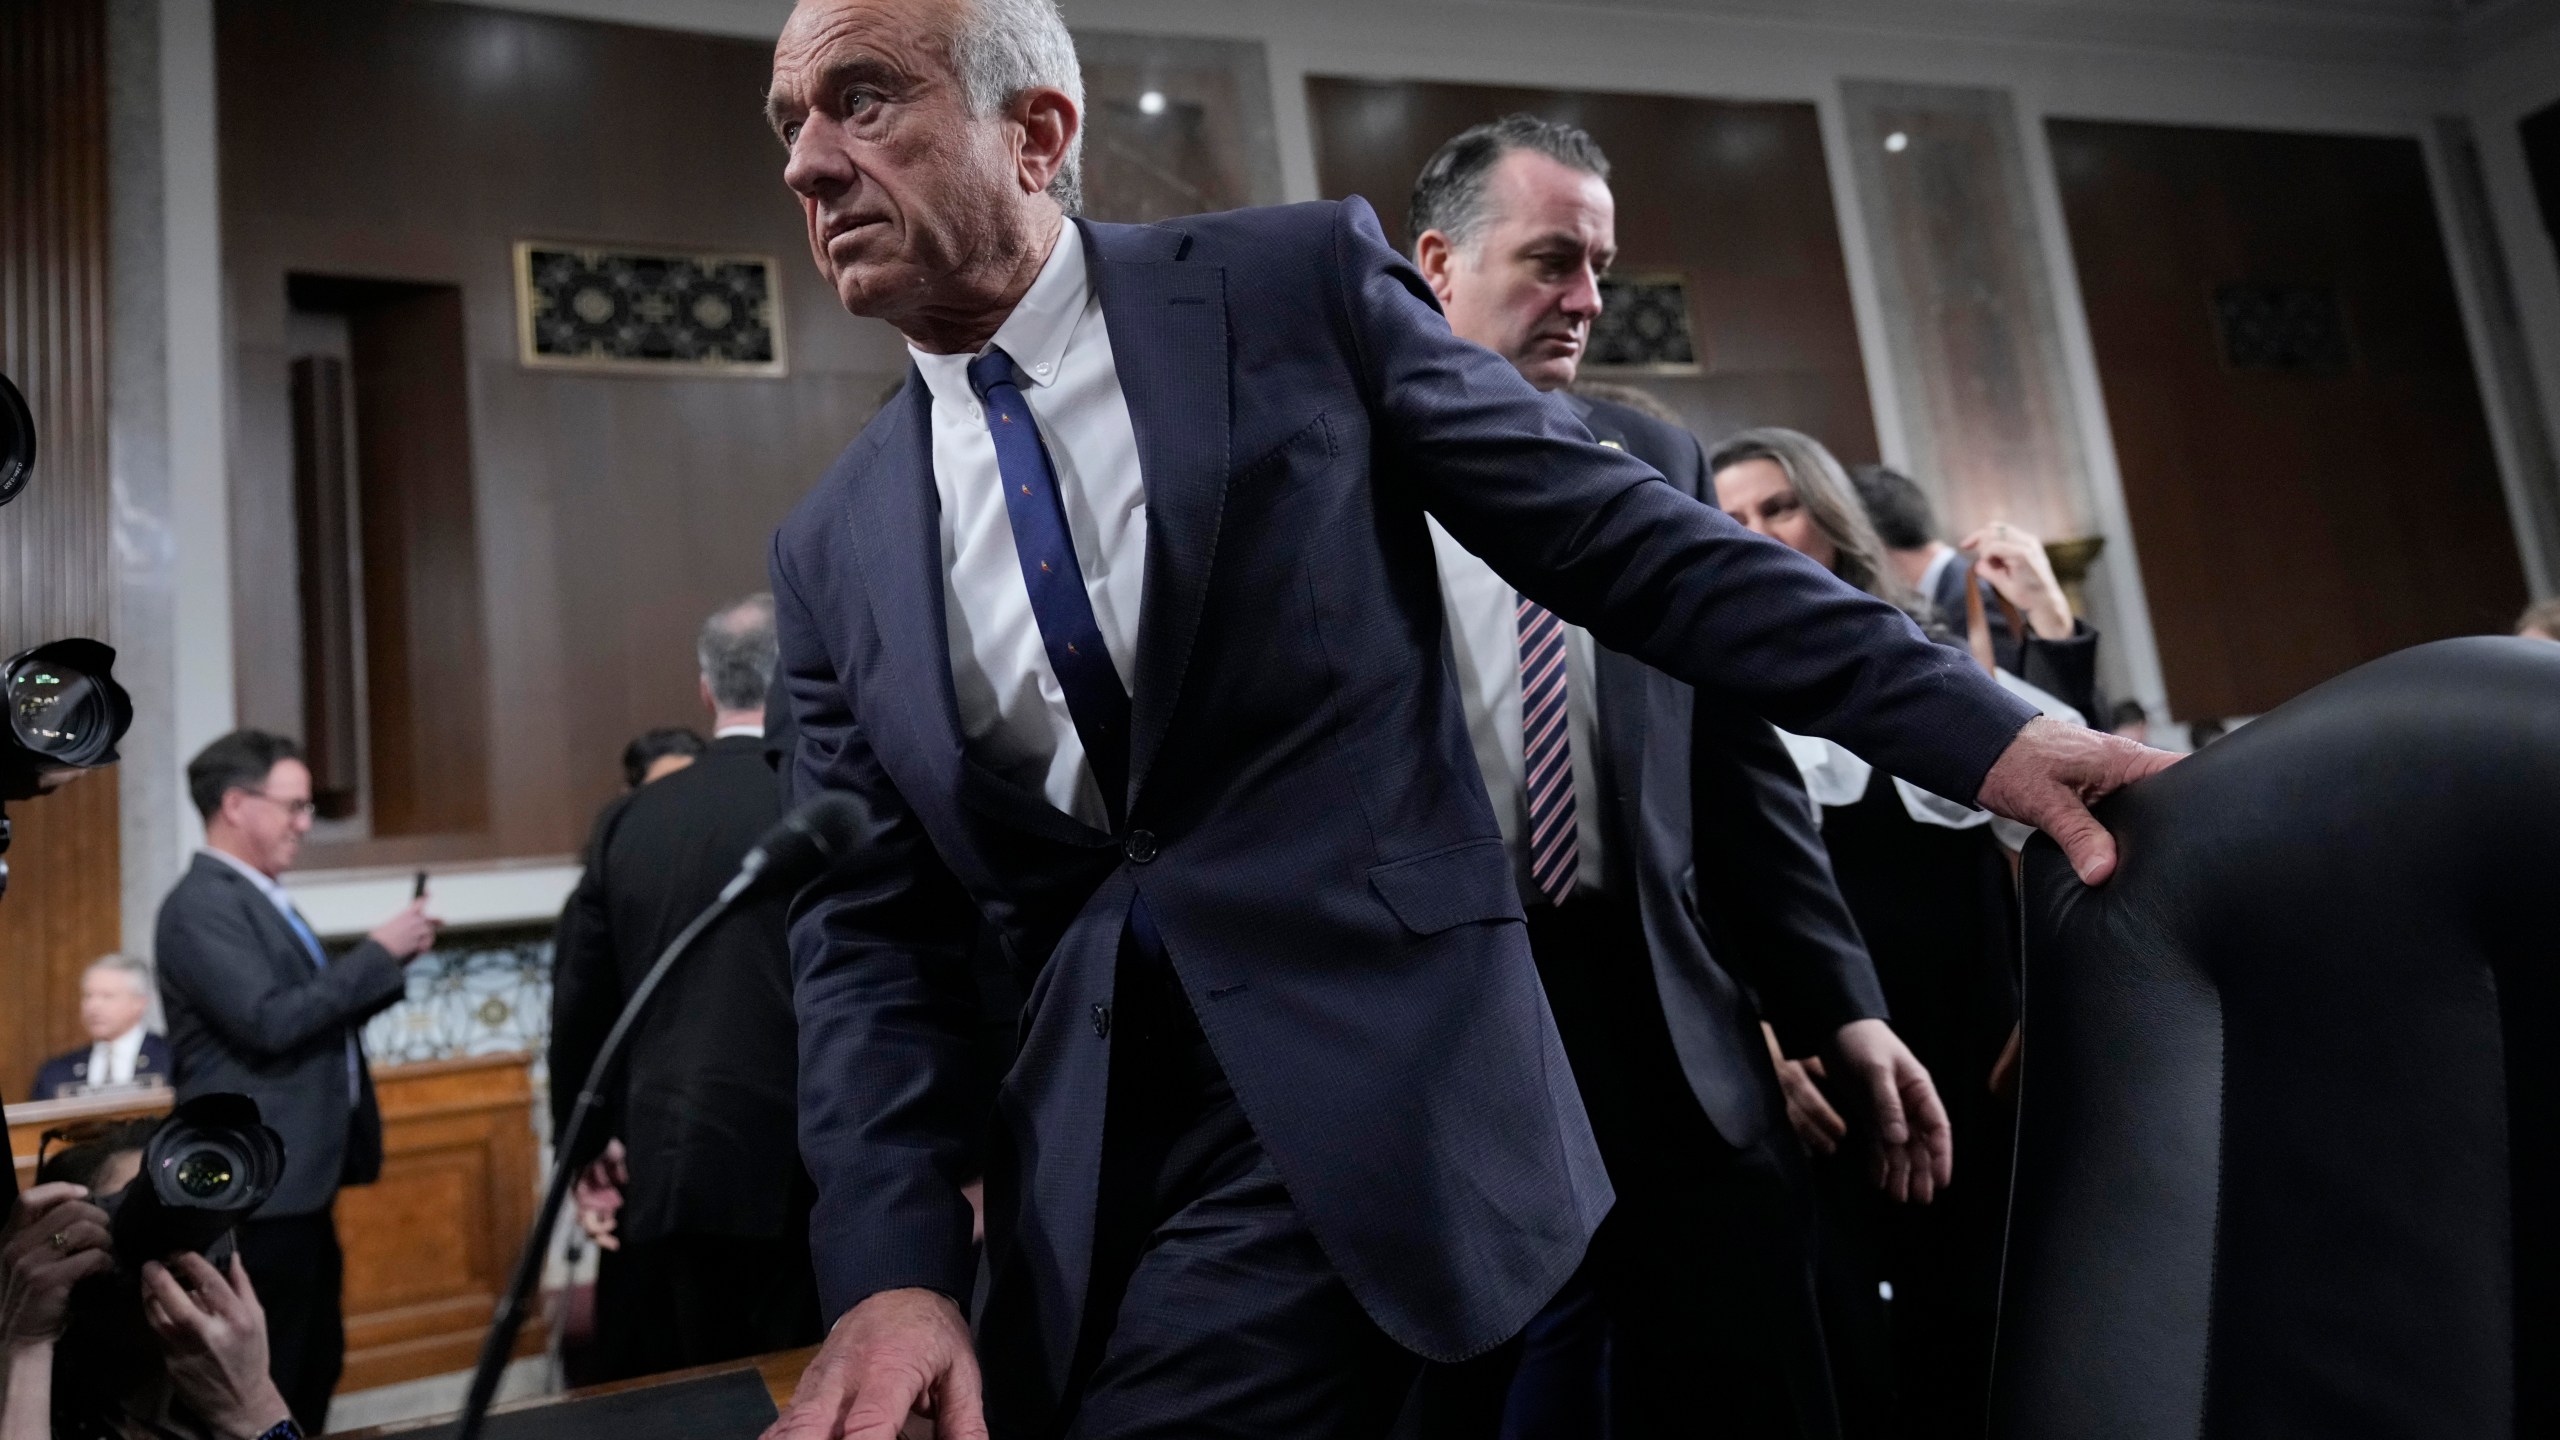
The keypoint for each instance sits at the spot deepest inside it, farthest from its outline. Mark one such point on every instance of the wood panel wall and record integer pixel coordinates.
(2292, 524)
(1734, 195)
(56, 558)
(610, 513)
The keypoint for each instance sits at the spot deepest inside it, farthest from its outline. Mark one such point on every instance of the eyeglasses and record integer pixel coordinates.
(298, 809)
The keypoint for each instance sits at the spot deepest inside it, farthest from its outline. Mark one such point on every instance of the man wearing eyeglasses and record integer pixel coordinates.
(258, 1006)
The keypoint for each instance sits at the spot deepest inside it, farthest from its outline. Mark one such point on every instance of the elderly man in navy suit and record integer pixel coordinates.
(115, 1008)
(1122, 621)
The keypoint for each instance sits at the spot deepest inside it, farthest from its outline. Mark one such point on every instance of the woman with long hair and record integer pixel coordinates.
(1931, 887)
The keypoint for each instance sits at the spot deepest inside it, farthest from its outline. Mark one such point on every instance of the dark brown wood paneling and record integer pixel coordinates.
(1734, 195)
(324, 534)
(426, 659)
(2291, 524)
(57, 569)
(418, 143)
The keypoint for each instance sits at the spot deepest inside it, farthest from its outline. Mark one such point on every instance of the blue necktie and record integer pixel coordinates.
(320, 961)
(1095, 699)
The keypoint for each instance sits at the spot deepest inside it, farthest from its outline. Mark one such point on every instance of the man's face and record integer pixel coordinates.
(272, 819)
(110, 1003)
(1528, 286)
(901, 186)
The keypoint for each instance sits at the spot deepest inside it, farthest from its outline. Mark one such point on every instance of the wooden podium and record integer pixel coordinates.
(430, 1245)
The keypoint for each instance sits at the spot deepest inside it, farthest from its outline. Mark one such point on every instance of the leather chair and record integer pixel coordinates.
(2290, 1104)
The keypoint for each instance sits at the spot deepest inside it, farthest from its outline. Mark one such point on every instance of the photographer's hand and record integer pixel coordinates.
(214, 1334)
(54, 1240)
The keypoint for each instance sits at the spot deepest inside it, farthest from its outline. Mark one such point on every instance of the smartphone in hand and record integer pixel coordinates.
(418, 891)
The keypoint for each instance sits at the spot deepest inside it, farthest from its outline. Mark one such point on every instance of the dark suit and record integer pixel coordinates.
(249, 1011)
(1308, 845)
(68, 1072)
(1703, 1274)
(2066, 669)
(714, 1222)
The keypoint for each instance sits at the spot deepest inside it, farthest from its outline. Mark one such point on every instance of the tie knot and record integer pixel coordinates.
(990, 370)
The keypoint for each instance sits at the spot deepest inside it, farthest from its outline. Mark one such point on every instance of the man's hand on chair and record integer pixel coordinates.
(897, 1356)
(2053, 772)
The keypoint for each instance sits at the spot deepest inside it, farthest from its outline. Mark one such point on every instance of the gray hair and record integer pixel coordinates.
(133, 967)
(738, 653)
(1001, 48)
(1448, 196)
(1823, 488)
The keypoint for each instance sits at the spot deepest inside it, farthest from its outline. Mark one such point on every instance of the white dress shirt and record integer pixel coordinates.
(111, 1061)
(1484, 634)
(1011, 707)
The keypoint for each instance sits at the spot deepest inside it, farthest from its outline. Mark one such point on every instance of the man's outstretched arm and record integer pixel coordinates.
(1598, 537)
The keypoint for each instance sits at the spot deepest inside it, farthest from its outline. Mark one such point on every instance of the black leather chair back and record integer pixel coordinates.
(2286, 1145)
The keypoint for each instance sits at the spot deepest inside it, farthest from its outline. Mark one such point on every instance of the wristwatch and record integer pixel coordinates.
(284, 1429)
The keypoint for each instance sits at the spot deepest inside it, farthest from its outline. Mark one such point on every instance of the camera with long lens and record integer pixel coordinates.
(207, 1168)
(64, 710)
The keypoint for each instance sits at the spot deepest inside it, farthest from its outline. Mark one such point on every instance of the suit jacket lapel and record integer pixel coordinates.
(1168, 326)
(896, 519)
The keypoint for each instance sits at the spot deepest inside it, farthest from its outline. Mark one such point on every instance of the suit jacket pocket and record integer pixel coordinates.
(1460, 885)
(1270, 472)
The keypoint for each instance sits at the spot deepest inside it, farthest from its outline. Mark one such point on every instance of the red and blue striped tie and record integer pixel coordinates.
(1546, 753)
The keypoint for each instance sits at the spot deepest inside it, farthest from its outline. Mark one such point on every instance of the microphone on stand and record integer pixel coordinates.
(806, 843)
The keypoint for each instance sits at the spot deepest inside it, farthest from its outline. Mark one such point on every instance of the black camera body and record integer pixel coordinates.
(208, 1167)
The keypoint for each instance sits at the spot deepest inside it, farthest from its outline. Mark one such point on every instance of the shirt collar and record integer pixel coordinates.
(257, 877)
(124, 1047)
(1035, 334)
(725, 731)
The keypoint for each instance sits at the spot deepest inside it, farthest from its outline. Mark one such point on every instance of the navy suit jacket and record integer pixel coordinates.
(1305, 818)
(1720, 848)
(68, 1072)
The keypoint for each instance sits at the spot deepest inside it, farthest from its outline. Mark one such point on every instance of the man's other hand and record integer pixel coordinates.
(407, 933)
(1911, 1147)
(2053, 772)
(898, 1355)
(598, 1195)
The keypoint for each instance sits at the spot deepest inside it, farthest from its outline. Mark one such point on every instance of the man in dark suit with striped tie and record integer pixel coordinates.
(257, 1006)
(1677, 891)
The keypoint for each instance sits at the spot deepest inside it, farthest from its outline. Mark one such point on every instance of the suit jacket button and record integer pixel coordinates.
(1102, 1022)
(1140, 847)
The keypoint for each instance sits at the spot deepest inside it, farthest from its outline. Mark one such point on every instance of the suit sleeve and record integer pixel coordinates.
(887, 1009)
(586, 994)
(218, 960)
(1596, 536)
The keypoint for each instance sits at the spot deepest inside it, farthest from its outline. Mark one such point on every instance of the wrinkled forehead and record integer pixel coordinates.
(124, 981)
(1536, 193)
(912, 36)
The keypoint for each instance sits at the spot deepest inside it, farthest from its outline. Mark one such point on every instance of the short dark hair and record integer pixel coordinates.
(651, 746)
(1904, 518)
(1448, 196)
(237, 761)
(2128, 712)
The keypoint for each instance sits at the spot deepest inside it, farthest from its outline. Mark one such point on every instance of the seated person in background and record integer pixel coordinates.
(2131, 721)
(2201, 733)
(2012, 566)
(2540, 621)
(656, 754)
(179, 1350)
(700, 1199)
(115, 1001)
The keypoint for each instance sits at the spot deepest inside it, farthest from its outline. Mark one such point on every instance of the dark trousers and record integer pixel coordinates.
(685, 1300)
(296, 1267)
(1211, 1313)
(1703, 1273)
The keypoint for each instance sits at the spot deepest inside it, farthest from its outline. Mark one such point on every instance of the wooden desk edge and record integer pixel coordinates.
(779, 1371)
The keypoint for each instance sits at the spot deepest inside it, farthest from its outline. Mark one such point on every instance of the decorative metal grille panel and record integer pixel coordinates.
(1643, 326)
(647, 311)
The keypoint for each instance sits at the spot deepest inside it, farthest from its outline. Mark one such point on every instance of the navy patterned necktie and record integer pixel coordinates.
(1546, 753)
(1095, 698)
